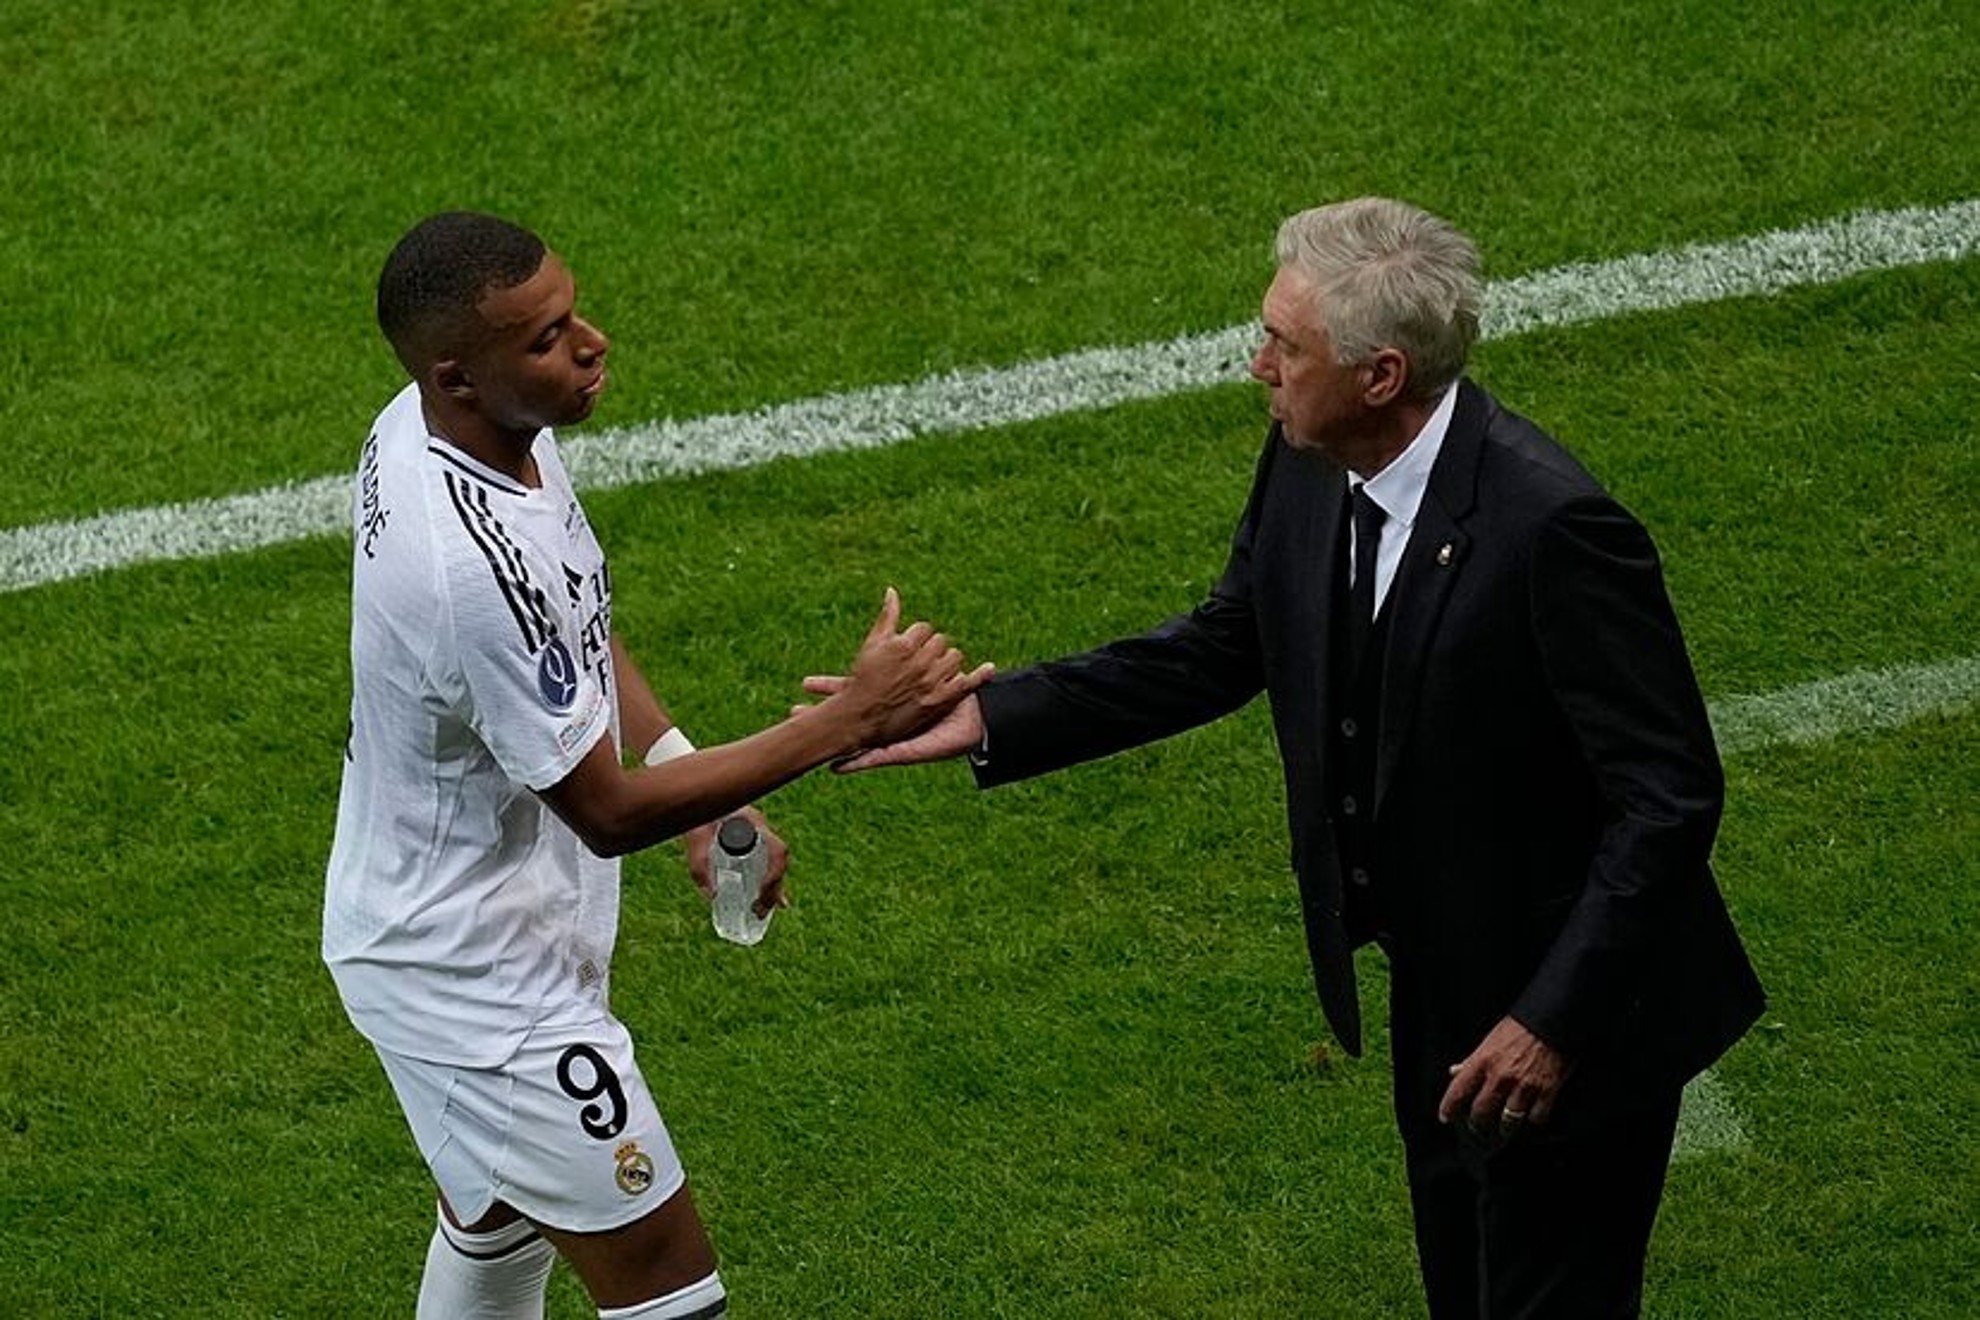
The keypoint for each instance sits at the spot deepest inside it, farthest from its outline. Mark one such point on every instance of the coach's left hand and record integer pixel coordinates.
(1511, 1079)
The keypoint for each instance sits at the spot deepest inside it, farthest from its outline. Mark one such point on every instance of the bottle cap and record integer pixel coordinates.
(737, 836)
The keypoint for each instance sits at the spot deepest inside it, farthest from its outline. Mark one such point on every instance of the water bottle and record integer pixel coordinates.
(739, 857)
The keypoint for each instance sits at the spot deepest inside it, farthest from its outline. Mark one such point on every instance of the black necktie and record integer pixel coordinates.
(1368, 518)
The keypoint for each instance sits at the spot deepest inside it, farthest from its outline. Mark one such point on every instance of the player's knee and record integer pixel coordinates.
(702, 1300)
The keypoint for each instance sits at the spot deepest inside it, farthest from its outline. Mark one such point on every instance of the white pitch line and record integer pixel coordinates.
(1861, 702)
(964, 401)
(1708, 1120)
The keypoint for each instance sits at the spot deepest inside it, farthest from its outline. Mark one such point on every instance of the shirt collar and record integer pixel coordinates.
(1399, 487)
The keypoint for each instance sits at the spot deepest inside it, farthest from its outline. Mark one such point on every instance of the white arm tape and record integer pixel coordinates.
(669, 745)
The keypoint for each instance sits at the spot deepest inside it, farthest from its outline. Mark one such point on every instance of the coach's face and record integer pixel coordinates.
(540, 363)
(1316, 400)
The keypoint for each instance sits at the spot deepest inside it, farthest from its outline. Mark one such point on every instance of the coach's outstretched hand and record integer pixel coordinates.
(903, 682)
(958, 732)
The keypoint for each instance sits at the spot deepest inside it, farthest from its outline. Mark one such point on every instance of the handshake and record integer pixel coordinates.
(905, 698)
(906, 693)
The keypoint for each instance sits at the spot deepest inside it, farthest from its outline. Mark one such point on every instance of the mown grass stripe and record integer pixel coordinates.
(974, 400)
(1862, 702)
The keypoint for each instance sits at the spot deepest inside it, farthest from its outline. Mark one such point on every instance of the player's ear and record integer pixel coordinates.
(449, 377)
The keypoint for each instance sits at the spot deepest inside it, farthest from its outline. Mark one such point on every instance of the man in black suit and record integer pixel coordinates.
(1498, 765)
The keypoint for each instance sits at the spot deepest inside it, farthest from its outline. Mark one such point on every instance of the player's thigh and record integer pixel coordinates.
(500, 1215)
(566, 1134)
(591, 1164)
(662, 1252)
(584, 1148)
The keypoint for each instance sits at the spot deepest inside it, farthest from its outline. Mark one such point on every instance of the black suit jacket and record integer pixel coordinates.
(1547, 788)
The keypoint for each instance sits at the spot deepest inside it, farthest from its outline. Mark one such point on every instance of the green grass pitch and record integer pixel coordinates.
(1044, 1052)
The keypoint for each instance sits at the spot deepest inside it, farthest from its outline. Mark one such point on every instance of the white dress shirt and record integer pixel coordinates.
(1398, 491)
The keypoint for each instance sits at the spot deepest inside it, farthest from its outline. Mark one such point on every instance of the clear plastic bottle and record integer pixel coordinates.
(739, 858)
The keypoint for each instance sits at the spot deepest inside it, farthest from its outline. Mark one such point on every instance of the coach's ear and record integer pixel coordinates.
(1387, 378)
(450, 378)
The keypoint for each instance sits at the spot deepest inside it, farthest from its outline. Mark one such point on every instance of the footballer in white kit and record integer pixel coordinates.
(472, 896)
(462, 916)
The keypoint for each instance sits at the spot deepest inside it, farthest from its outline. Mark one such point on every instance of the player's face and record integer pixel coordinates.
(541, 364)
(1316, 399)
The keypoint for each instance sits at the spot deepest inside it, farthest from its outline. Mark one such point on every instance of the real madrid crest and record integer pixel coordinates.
(635, 1172)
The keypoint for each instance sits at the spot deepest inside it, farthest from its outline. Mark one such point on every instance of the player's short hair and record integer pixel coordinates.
(1388, 274)
(440, 270)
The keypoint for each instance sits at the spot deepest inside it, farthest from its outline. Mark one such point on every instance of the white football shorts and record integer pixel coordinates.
(566, 1131)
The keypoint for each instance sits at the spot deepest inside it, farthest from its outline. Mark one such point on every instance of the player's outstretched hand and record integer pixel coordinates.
(903, 681)
(957, 733)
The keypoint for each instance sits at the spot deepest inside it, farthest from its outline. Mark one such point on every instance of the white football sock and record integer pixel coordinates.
(698, 1301)
(485, 1276)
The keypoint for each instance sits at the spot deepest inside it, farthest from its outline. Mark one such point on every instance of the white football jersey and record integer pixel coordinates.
(459, 910)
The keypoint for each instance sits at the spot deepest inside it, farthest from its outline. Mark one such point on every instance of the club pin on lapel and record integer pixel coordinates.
(1445, 554)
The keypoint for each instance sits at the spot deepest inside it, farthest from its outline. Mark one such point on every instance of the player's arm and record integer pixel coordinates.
(643, 724)
(642, 719)
(1195, 668)
(898, 685)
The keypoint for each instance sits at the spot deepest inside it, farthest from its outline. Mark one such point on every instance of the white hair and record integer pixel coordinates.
(1387, 274)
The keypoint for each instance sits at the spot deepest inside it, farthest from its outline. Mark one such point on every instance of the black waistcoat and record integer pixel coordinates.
(1356, 705)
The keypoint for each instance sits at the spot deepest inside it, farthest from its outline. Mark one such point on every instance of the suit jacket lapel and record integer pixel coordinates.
(1320, 543)
(1430, 568)
(1329, 548)
(1309, 531)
